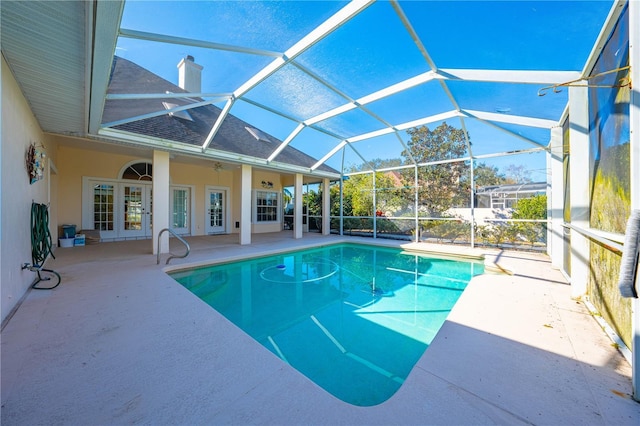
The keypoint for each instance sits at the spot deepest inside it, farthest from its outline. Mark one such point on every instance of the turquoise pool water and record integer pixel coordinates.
(353, 318)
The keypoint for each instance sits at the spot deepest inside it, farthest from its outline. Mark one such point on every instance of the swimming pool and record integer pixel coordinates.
(353, 318)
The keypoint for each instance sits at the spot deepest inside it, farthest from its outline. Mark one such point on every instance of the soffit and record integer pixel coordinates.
(44, 44)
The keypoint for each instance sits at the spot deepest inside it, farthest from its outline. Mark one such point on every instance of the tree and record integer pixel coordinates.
(313, 201)
(440, 186)
(517, 174)
(287, 196)
(531, 208)
(389, 192)
(488, 175)
(334, 201)
(358, 189)
(379, 163)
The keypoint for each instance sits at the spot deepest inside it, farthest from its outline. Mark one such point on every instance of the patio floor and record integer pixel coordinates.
(120, 342)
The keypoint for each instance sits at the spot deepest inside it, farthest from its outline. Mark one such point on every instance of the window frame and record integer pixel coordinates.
(273, 208)
(186, 230)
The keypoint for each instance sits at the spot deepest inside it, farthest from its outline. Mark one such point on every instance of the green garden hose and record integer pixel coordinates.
(41, 245)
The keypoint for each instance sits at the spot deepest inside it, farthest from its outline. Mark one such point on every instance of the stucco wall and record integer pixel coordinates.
(19, 130)
(201, 177)
(75, 163)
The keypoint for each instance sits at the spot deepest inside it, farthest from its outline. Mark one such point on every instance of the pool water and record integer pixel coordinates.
(353, 318)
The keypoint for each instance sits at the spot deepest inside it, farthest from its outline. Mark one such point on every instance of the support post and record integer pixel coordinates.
(415, 202)
(160, 201)
(245, 205)
(297, 207)
(341, 205)
(342, 194)
(555, 202)
(375, 206)
(326, 207)
(472, 203)
(579, 198)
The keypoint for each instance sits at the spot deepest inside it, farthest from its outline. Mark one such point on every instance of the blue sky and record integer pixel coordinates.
(370, 52)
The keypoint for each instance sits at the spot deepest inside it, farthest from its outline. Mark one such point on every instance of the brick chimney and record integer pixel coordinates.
(189, 75)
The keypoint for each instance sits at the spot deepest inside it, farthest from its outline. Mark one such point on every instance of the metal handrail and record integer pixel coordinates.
(182, 240)
(602, 239)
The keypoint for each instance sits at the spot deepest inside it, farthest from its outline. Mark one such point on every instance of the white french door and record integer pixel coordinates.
(121, 209)
(216, 216)
(136, 210)
(99, 207)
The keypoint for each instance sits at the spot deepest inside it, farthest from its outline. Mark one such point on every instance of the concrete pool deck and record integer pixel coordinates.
(120, 342)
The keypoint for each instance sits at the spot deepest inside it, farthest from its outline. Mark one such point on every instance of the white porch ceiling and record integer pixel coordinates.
(47, 47)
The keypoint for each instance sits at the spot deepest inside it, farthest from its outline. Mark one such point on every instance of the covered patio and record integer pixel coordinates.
(226, 122)
(120, 342)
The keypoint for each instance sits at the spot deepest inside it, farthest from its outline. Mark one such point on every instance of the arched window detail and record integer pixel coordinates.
(138, 171)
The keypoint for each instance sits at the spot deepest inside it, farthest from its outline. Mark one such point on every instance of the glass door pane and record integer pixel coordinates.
(215, 211)
(180, 200)
(136, 211)
(132, 208)
(103, 208)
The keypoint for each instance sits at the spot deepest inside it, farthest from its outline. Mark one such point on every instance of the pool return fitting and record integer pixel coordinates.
(41, 247)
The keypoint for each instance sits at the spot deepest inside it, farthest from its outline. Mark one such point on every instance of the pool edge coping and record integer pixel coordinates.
(475, 254)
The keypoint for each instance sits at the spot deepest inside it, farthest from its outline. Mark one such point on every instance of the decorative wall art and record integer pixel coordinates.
(35, 162)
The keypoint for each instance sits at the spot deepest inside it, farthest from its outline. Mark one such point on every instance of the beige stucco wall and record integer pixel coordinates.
(19, 130)
(201, 177)
(75, 163)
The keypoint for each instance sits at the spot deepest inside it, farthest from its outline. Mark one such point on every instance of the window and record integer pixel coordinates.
(138, 171)
(266, 206)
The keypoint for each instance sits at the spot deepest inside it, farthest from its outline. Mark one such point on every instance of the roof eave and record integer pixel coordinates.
(133, 139)
(100, 58)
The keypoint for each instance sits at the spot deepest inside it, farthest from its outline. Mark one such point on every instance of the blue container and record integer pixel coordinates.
(68, 231)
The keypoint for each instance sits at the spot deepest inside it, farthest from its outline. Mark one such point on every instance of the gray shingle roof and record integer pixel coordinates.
(233, 137)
